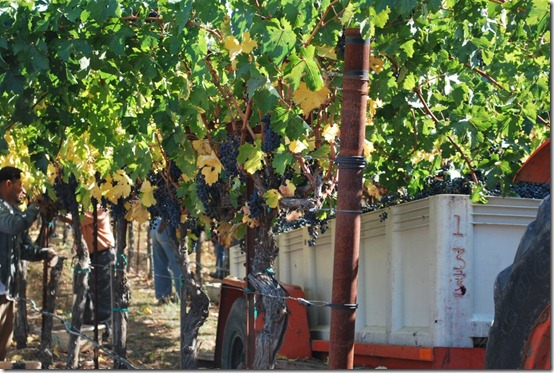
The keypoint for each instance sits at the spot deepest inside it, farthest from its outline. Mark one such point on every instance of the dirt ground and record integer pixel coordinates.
(153, 330)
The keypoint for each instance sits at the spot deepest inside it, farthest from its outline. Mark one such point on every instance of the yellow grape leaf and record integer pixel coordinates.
(137, 212)
(117, 191)
(272, 198)
(331, 132)
(51, 173)
(373, 190)
(248, 44)
(368, 149)
(288, 189)
(251, 223)
(309, 100)
(121, 186)
(376, 64)
(202, 147)
(147, 310)
(147, 194)
(297, 146)
(372, 106)
(211, 167)
(235, 47)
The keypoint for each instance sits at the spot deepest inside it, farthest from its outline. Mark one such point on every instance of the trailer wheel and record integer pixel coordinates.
(234, 337)
(522, 302)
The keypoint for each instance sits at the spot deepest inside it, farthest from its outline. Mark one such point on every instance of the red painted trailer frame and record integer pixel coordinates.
(298, 344)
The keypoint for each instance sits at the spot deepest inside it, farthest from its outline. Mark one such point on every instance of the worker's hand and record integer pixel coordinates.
(49, 255)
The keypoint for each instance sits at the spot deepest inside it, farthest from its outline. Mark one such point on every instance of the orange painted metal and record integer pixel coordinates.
(297, 337)
(537, 351)
(410, 357)
(296, 344)
(231, 290)
(458, 358)
(537, 167)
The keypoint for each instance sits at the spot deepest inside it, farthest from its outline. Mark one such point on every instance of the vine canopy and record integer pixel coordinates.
(116, 90)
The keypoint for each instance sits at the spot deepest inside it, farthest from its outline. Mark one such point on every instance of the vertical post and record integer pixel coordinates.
(95, 271)
(250, 250)
(347, 233)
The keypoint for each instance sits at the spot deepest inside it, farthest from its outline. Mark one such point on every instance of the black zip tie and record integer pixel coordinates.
(350, 161)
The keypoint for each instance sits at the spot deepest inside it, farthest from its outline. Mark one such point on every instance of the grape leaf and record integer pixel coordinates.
(308, 99)
(251, 157)
(281, 39)
(272, 198)
(288, 189)
(297, 146)
(281, 161)
(331, 132)
(147, 194)
(211, 167)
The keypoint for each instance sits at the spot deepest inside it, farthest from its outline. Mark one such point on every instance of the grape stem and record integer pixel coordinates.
(245, 124)
(305, 169)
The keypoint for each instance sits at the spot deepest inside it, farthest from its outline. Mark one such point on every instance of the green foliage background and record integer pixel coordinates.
(465, 82)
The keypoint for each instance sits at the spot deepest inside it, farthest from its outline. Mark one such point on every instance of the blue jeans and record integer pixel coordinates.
(166, 268)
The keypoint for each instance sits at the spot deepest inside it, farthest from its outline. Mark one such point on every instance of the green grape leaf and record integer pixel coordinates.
(281, 161)
(251, 157)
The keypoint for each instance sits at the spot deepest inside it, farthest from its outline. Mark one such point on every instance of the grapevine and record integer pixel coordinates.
(228, 153)
(167, 202)
(255, 204)
(209, 195)
(271, 139)
(65, 191)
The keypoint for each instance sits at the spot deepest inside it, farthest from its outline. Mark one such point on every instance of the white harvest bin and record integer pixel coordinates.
(426, 271)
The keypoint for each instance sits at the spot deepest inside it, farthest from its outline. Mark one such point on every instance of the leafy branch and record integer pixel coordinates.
(322, 22)
(436, 120)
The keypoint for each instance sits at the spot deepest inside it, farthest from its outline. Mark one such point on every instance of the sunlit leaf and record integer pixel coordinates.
(309, 100)
(288, 189)
(272, 198)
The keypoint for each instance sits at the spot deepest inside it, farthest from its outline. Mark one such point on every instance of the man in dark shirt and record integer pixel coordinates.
(15, 245)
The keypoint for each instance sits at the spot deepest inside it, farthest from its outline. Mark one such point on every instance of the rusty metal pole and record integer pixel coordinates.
(347, 232)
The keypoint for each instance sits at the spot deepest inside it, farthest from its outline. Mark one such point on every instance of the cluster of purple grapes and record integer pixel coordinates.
(167, 202)
(255, 204)
(118, 210)
(228, 153)
(66, 193)
(208, 194)
(314, 225)
(174, 171)
(272, 139)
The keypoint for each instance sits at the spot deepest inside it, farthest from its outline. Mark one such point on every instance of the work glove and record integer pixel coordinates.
(49, 255)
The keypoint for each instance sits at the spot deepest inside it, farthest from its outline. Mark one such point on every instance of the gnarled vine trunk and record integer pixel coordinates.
(80, 289)
(44, 354)
(21, 327)
(195, 305)
(270, 295)
(121, 294)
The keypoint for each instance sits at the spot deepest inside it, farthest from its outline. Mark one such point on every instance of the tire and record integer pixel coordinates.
(234, 337)
(521, 295)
